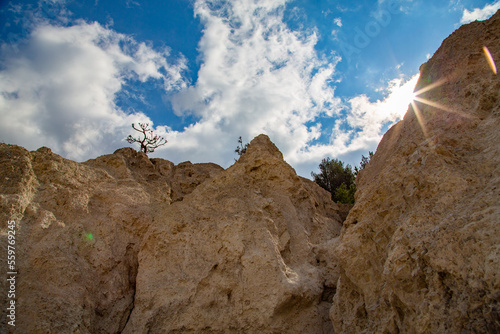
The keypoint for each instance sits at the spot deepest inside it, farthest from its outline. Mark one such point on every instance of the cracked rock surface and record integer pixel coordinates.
(420, 250)
(124, 243)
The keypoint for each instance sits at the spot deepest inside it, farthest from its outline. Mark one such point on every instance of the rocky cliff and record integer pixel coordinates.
(128, 244)
(420, 250)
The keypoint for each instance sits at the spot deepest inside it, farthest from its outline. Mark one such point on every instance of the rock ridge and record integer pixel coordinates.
(142, 245)
(250, 239)
(79, 227)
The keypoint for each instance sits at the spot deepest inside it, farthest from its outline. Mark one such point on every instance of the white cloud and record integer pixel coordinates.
(363, 126)
(58, 88)
(338, 21)
(257, 76)
(404, 6)
(480, 14)
(368, 118)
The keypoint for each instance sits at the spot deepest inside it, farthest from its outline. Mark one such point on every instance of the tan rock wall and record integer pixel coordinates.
(124, 243)
(240, 254)
(420, 250)
(132, 244)
(79, 228)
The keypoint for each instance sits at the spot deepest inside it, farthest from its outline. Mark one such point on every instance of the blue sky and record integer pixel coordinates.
(321, 78)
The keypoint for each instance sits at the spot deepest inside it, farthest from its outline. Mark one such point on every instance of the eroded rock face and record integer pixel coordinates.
(128, 244)
(124, 243)
(245, 252)
(80, 227)
(420, 251)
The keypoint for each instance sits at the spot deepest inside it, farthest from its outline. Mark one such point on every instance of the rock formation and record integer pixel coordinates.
(420, 250)
(241, 254)
(128, 244)
(80, 227)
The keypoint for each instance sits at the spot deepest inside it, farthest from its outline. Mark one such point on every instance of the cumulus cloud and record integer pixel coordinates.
(367, 119)
(362, 125)
(257, 76)
(58, 87)
(480, 14)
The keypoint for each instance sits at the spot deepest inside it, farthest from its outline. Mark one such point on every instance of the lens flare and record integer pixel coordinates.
(417, 98)
(432, 103)
(420, 119)
(490, 59)
(429, 87)
(89, 236)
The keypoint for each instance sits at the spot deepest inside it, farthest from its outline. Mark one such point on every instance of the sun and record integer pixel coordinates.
(401, 95)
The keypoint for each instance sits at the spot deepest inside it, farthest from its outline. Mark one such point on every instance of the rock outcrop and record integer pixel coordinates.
(243, 253)
(420, 250)
(124, 243)
(79, 230)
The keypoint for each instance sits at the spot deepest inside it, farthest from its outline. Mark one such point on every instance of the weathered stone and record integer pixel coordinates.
(132, 244)
(128, 244)
(420, 249)
(79, 231)
(241, 254)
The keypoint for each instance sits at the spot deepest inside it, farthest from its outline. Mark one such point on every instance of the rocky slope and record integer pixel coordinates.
(128, 244)
(243, 253)
(79, 229)
(420, 251)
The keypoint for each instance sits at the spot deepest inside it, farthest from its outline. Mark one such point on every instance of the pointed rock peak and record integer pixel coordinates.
(263, 156)
(261, 146)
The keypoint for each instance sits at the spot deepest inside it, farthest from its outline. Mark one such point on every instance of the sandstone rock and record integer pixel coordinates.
(128, 244)
(124, 243)
(420, 250)
(79, 231)
(243, 253)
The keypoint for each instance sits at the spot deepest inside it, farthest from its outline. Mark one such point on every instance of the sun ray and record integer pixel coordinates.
(431, 86)
(420, 119)
(417, 98)
(441, 106)
(432, 103)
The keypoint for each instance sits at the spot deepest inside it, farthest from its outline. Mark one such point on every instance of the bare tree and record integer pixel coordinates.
(150, 141)
(241, 149)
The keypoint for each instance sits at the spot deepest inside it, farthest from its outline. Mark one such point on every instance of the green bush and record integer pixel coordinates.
(336, 179)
